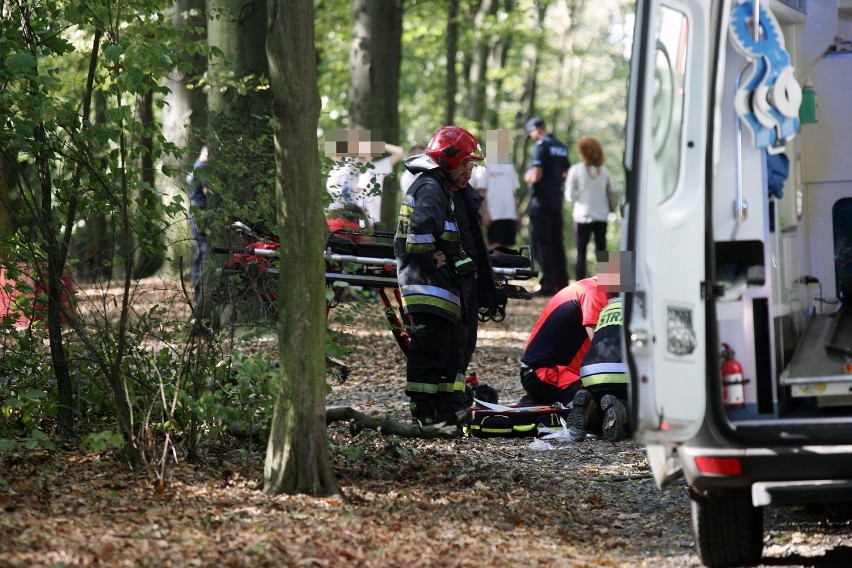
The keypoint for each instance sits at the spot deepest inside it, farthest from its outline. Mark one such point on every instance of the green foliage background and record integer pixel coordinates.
(90, 167)
(581, 83)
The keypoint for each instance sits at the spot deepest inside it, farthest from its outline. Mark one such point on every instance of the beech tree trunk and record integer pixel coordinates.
(185, 118)
(239, 105)
(375, 58)
(148, 250)
(97, 251)
(239, 30)
(478, 74)
(297, 459)
(497, 57)
(185, 115)
(452, 57)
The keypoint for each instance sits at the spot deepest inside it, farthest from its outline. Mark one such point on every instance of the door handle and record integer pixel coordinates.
(639, 339)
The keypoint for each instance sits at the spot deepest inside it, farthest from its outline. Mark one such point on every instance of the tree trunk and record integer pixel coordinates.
(375, 58)
(98, 249)
(452, 57)
(240, 33)
(478, 74)
(573, 68)
(185, 116)
(497, 57)
(236, 99)
(53, 277)
(149, 253)
(52, 273)
(528, 97)
(297, 459)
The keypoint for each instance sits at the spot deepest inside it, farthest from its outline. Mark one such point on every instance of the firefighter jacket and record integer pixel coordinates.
(426, 225)
(603, 363)
(486, 289)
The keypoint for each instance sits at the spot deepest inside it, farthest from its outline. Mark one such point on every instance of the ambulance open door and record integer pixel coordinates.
(669, 137)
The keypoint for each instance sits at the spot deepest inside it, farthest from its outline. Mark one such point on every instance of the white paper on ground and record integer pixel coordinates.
(504, 408)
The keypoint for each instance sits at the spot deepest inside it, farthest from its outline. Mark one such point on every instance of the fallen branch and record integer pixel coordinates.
(359, 421)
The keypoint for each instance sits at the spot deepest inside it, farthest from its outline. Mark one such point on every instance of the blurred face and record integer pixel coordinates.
(460, 176)
(616, 272)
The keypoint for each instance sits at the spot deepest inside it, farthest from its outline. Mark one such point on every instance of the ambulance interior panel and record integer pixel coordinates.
(783, 273)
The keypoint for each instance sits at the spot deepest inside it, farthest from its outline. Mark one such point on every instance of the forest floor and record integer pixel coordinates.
(407, 502)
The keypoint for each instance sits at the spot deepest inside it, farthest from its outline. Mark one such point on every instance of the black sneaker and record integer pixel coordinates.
(615, 418)
(583, 412)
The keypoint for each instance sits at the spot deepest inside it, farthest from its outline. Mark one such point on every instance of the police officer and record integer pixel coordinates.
(546, 176)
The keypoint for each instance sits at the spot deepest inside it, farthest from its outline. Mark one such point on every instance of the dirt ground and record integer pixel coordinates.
(455, 503)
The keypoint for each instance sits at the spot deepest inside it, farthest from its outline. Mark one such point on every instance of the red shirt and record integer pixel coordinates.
(559, 340)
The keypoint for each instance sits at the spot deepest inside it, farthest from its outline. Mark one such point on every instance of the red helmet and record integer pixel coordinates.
(451, 145)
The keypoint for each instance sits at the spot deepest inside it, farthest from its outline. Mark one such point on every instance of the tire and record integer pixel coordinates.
(728, 528)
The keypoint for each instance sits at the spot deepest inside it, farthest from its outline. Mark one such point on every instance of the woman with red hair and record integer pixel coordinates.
(589, 188)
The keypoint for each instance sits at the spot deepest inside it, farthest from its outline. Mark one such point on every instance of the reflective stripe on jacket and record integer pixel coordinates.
(426, 225)
(603, 362)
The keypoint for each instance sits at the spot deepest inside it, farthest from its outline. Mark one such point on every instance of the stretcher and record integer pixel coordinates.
(354, 259)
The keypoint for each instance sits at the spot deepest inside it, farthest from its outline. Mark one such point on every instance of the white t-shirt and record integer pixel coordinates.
(347, 185)
(590, 192)
(370, 186)
(499, 182)
(342, 183)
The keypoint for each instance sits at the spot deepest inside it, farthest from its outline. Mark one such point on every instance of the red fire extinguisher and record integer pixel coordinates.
(733, 389)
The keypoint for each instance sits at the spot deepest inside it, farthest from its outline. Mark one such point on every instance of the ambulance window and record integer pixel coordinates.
(667, 102)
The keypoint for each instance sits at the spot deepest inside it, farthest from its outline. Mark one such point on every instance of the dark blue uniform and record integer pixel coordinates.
(546, 217)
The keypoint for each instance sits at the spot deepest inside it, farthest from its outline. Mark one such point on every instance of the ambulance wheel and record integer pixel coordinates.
(728, 528)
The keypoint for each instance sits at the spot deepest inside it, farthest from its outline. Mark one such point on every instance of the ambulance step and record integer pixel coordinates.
(813, 364)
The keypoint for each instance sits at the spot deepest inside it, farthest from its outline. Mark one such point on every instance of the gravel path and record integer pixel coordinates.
(601, 494)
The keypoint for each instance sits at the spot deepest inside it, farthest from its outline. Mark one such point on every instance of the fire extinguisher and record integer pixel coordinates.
(733, 389)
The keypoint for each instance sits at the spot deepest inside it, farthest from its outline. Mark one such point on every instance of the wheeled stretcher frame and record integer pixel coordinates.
(356, 259)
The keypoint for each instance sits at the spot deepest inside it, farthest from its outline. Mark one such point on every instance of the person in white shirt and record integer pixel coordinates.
(589, 188)
(356, 180)
(342, 182)
(371, 181)
(496, 183)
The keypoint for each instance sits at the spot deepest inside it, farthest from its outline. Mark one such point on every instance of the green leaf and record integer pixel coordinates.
(113, 52)
(21, 63)
(354, 453)
(34, 394)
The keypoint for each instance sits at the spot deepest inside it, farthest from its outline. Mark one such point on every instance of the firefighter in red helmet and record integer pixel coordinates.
(431, 269)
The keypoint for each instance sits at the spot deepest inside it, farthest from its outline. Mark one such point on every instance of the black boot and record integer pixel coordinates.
(423, 409)
(615, 418)
(452, 408)
(584, 412)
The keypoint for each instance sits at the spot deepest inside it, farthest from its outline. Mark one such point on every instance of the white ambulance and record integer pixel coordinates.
(739, 211)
